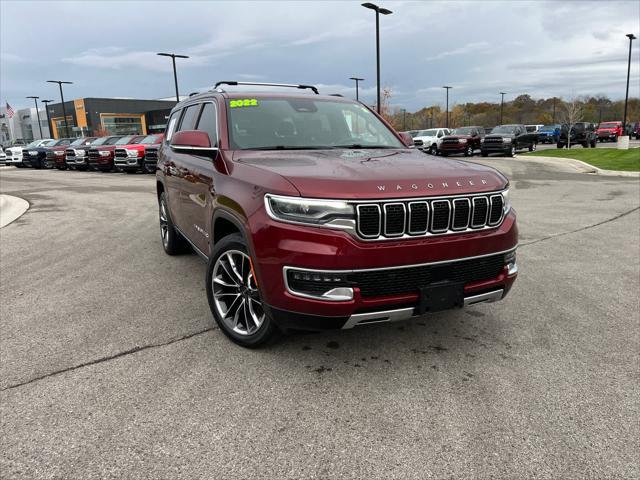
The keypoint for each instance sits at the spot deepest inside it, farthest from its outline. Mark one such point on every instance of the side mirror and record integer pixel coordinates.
(406, 139)
(192, 140)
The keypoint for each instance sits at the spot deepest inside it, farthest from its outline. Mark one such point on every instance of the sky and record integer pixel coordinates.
(108, 48)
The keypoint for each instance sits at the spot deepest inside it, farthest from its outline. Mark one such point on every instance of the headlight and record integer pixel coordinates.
(104, 153)
(80, 153)
(132, 153)
(462, 140)
(482, 140)
(306, 210)
(506, 201)
(506, 139)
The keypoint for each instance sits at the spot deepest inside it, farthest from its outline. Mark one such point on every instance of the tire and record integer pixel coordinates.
(532, 147)
(512, 151)
(615, 139)
(172, 241)
(237, 306)
(585, 144)
(484, 154)
(150, 169)
(433, 149)
(469, 151)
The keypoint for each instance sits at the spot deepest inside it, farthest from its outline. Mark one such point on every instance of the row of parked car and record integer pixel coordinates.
(124, 153)
(507, 139)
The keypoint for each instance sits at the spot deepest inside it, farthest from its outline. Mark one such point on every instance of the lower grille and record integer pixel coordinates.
(408, 280)
(151, 155)
(493, 140)
(450, 141)
(121, 153)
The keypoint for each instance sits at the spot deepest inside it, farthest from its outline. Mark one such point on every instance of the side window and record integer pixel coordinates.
(189, 118)
(171, 126)
(208, 122)
(440, 133)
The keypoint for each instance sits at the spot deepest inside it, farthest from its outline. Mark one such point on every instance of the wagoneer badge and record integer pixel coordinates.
(429, 186)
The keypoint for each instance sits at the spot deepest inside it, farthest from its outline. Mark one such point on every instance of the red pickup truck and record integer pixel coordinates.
(131, 158)
(609, 131)
(102, 157)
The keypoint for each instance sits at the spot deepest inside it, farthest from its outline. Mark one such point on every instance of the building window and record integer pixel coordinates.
(59, 131)
(123, 124)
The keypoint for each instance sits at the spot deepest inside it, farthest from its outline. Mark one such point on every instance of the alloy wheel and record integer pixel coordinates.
(164, 224)
(235, 293)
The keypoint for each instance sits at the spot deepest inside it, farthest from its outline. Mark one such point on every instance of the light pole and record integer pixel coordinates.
(35, 99)
(631, 37)
(447, 88)
(175, 75)
(501, 105)
(64, 111)
(357, 80)
(46, 108)
(378, 11)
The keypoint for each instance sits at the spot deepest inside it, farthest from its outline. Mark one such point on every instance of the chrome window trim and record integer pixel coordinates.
(453, 214)
(397, 267)
(499, 221)
(404, 220)
(362, 235)
(443, 230)
(426, 228)
(486, 217)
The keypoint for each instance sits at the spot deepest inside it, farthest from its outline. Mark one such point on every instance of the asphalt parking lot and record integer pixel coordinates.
(111, 366)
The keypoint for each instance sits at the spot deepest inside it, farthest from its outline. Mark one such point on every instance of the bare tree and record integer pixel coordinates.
(572, 113)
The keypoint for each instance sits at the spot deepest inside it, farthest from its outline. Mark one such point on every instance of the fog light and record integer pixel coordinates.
(510, 262)
(320, 285)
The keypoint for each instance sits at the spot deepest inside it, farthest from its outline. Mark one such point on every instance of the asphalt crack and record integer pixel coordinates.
(108, 358)
(562, 234)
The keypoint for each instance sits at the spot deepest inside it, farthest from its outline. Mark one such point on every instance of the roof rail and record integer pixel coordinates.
(194, 93)
(336, 95)
(289, 85)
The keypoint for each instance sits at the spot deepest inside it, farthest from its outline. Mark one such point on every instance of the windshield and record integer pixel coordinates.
(463, 131)
(125, 140)
(34, 144)
(305, 123)
(428, 133)
(550, 127)
(504, 129)
(58, 143)
(150, 140)
(608, 125)
(82, 141)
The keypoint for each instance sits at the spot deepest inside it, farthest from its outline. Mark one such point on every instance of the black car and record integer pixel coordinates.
(507, 139)
(37, 157)
(581, 133)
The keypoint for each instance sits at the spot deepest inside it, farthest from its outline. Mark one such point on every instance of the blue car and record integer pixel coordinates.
(549, 134)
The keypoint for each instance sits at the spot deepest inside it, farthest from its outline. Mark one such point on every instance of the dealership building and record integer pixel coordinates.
(109, 116)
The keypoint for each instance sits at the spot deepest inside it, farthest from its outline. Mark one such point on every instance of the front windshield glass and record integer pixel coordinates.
(151, 139)
(305, 123)
(58, 143)
(428, 133)
(101, 141)
(125, 140)
(80, 141)
(463, 131)
(550, 127)
(504, 129)
(33, 144)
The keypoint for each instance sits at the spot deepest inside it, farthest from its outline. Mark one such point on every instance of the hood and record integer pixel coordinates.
(468, 137)
(364, 174)
(500, 135)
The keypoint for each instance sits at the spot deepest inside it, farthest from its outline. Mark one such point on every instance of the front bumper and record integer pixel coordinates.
(453, 147)
(133, 162)
(496, 148)
(607, 135)
(277, 246)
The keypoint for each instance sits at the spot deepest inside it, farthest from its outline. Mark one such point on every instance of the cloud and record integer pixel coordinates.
(115, 58)
(569, 62)
(12, 58)
(352, 30)
(469, 48)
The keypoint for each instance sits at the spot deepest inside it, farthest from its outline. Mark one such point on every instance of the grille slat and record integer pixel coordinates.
(398, 281)
(428, 217)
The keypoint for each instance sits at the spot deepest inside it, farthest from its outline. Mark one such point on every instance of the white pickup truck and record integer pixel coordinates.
(429, 140)
(14, 154)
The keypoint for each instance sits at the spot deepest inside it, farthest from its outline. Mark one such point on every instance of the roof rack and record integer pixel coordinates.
(289, 85)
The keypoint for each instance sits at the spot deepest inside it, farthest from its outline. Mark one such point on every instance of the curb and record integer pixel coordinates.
(582, 167)
(11, 208)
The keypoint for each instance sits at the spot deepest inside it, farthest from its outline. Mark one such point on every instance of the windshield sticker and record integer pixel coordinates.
(247, 102)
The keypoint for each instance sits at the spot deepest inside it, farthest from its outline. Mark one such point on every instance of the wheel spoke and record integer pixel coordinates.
(220, 281)
(234, 268)
(228, 312)
(236, 316)
(231, 276)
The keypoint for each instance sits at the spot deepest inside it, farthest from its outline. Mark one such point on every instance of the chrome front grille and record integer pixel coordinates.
(424, 217)
(453, 141)
(70, 154)
(493, 140)
(151, 155)
(120, 153)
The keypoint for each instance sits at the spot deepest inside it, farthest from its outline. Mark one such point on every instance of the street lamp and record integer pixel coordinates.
(64, 111)
(447, 88)
(46, 108)
(175, 75)
(631, 38)
(501, 105)
(378, 11)
(35, 99)
(356, 79)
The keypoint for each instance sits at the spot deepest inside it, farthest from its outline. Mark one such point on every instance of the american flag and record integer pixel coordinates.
(10, 111)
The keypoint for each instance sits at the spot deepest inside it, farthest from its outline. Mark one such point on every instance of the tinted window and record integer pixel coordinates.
(208, 122)
(189, 118)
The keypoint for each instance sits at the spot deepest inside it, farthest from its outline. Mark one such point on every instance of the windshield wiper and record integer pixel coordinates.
(362, 147)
